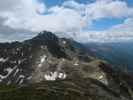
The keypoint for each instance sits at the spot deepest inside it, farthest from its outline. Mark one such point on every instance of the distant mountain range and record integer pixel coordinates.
(119, 54)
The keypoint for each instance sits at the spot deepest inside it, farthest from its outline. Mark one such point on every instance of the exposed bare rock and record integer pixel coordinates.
(58, 69)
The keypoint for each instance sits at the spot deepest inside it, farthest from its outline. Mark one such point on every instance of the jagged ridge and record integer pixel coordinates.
(66, 63)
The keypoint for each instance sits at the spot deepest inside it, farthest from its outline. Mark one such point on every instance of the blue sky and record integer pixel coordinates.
(106, 23)
(58, 2)
(50, 3)
(130, 2)
(101, 19)
(98, 25)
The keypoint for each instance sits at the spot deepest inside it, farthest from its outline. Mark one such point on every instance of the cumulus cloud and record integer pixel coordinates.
(60, 19)
(27, 14)
(70, 17)
(108, 8)
(74, 5)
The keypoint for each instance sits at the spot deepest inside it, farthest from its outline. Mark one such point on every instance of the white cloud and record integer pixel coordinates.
(108, 8)
(22, 13)
(74, 5)
(71, 16)
(26, 15)
(60, 19)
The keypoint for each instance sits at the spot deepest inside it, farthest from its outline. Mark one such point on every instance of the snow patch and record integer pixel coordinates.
(17, 70)
(43, 58)
(29, 78)
(62, 76)
(54, 75)
(9, 70)
(64, 42)
(20, 79)
(3, 59)
(101, 77)
(76, 63)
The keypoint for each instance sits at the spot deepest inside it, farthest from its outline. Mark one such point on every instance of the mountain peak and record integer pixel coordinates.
(47, 58)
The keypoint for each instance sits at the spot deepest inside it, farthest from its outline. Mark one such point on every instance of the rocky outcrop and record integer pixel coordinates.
(50, 67)
(24, 62)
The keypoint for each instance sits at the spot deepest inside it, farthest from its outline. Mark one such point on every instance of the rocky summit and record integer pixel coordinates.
(47, 67)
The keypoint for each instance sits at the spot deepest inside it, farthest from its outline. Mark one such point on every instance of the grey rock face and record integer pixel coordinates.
(51, 59)
(31, 60)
